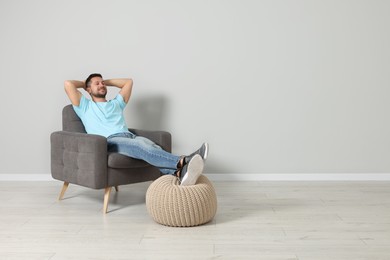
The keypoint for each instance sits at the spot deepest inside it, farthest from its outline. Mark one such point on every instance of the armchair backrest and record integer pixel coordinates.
(70, 120)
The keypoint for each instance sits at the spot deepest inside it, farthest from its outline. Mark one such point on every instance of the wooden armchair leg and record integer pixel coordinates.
(106, 199)
(64, 187)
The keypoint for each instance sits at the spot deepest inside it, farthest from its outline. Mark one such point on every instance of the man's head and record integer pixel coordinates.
(95, 86)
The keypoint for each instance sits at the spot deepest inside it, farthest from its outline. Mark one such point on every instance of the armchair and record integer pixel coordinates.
(82, 159)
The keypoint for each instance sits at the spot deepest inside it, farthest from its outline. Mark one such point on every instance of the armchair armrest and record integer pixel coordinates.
(79, 158)
(162, 138)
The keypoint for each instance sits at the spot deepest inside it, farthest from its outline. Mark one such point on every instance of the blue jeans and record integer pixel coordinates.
(139, 147)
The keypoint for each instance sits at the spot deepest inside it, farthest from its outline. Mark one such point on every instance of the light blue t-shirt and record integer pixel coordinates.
(102, 118)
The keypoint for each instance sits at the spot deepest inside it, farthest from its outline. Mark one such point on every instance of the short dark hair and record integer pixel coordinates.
(88, 80)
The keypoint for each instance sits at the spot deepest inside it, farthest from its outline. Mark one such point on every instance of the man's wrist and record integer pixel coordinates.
(112, 83)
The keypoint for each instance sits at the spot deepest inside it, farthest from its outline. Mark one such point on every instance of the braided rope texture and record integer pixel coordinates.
(171, 204)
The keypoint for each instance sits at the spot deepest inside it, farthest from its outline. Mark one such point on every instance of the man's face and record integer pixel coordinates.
(97, 88)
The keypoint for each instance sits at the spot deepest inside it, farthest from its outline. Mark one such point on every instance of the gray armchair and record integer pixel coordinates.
(82, 159)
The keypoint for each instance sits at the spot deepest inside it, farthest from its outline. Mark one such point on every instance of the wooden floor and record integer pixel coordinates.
(255, 220)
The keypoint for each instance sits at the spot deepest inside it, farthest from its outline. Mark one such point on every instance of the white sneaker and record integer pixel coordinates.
(191, 171)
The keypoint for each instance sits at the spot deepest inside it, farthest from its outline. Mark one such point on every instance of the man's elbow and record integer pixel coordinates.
(67, 85)
(129, 82)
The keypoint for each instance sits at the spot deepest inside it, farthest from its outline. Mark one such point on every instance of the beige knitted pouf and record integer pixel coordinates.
(174, 205)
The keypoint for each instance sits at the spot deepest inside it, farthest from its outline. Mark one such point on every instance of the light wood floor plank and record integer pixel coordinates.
(255, 220)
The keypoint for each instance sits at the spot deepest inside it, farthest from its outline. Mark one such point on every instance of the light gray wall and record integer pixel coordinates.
(273, 86)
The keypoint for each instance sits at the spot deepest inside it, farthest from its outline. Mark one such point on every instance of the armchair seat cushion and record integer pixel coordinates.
(120, 161)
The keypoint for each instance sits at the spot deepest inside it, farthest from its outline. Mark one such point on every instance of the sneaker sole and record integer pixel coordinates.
(206, 151)
(194, 170)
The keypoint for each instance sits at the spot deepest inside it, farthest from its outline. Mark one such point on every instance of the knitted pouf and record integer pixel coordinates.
(174, 205)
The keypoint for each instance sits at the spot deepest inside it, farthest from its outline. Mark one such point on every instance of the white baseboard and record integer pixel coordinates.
(26, 177)
(244, 177)
(300, 177)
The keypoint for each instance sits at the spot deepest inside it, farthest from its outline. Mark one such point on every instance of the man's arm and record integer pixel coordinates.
(71, 87)
(126, 85)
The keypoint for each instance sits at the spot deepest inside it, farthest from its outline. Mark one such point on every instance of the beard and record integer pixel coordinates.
(101, 93)
(97, 95)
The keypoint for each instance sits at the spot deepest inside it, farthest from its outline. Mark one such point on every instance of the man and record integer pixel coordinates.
(105, 117)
